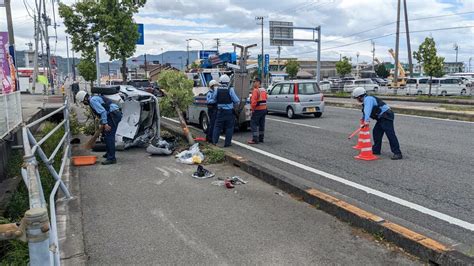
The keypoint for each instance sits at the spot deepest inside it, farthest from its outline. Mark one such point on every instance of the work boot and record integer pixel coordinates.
(104, 156)
(261, 140)
(397, 157)
(252, 142)
(107, 162)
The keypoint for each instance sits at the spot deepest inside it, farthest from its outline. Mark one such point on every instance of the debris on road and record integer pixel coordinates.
(202, 173)
(191, 156)
(218, 183)
(161, 147)
(237, 180)
(279, 193)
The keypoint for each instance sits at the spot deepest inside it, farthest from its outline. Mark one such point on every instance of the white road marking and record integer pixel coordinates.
(292, 123)
(415, 116)
(164, 172)
(408, 204)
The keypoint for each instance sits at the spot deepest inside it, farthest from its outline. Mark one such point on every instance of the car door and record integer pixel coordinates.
(273, 97)
(285, 97)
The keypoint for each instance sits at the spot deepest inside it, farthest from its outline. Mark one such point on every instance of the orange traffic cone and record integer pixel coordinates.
(359, 144)
(366, 149)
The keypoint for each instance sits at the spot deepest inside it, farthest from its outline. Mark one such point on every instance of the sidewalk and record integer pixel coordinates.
(149, 210)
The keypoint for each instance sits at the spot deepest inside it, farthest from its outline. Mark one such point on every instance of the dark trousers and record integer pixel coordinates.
(257, 125)
(113, 120)
(385, 126)
(225, 120)
(212, 113)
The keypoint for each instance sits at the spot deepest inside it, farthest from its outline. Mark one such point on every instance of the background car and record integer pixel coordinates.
(296, 97)
(367, 84)
(325, 85)
(380, 81)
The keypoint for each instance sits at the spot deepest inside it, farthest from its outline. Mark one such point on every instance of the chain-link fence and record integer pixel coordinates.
(10, 112)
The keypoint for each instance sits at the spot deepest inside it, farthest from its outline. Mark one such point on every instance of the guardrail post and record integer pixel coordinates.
(37, 231)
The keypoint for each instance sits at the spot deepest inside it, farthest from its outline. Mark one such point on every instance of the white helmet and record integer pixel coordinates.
(213, 83)
(224, 79)
(359, 91)
(80, 96)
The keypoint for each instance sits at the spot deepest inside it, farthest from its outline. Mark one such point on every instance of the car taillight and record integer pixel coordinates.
(297, 98)
(322, 97)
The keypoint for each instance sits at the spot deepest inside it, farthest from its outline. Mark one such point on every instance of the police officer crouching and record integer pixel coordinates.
(110, 116)
(375, 108)
(211, 109)
(225, 99)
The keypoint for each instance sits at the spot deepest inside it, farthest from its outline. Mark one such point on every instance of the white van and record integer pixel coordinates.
(367, 84)
(417, 86)
(451, 86)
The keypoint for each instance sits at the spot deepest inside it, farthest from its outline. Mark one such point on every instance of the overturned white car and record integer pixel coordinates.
(141, 115)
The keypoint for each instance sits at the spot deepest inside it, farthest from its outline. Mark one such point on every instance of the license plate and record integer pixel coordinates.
(311, 110)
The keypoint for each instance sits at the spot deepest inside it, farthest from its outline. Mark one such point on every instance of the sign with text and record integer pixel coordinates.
(141, 32)
(278, 30)
(267, 64)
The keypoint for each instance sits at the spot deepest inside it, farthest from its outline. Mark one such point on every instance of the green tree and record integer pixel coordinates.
(87, 69)
(292, 67)
(118, 30)
(194, 65)
(432, 64)
(382, 71)
(178, 90)
(343, 67)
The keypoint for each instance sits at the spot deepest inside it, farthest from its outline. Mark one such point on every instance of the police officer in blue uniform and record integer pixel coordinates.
(375, 108)
(110, 116)
(226, 99)
(211, 109)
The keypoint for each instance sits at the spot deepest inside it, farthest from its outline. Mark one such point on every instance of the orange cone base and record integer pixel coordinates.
(366, 157)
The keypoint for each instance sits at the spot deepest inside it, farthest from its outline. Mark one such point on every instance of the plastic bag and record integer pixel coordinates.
(191, 156)
(161, 147)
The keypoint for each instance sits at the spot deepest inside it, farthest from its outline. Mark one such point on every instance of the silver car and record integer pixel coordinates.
(296, 97)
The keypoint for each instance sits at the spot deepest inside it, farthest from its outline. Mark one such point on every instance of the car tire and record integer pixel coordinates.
(418, 93)
(444, 93)
(290, 113)
(204, 122)
(244, 126)
(463, 92)
(318, 114)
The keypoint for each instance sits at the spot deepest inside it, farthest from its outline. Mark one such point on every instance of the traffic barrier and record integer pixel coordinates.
(366, 145)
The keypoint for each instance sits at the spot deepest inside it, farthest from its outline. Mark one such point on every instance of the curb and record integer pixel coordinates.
(423, 247)
(410, 111)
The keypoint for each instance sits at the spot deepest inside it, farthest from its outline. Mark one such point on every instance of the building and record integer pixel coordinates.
(453, 67)
(153, 74)
(328, 68)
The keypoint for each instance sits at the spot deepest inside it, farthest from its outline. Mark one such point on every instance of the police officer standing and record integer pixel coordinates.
(211, 110)
(258, 105)
(225, 98)
(110, 116)
(375, 108)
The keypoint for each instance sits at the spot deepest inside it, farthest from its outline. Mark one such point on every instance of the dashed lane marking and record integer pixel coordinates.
(292, 123)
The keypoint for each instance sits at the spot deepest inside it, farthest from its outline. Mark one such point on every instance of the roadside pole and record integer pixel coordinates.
(48, 48)
(97, 62)
(11, 38)
(397, 41)
(262, 74)
(67, 52)
(407, 29)
(35, 57)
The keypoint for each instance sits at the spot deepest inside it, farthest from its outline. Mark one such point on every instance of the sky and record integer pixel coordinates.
(347, 26)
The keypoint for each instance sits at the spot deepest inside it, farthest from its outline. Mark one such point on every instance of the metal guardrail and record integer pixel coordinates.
(10, 112)
(41, 232)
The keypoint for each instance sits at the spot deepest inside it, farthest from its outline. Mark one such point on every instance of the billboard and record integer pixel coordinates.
(5, 61)
(284, 33)
(141, 32)
(204, 54)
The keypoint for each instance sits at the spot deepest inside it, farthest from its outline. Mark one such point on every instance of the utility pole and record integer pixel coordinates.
(48, 49)
(73, 66)
(470, 58)
(407, 29)
(187, 49)
(35, 57)
(217, 44)
(397, 40)
(146, 76)
(97, 58)
(67, 52)
(162, 60)
(278, 61)
(357, 65)
(11, 36)
(263, 55)
(373, 56)
(456, 48)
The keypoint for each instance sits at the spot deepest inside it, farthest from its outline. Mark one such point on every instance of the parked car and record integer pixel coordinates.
(451, 86)
(296, 97)
(325, 85)
(367, 84)
(417, 86)
(380, 81)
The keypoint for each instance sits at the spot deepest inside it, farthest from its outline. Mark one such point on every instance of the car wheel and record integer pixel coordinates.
(290, 113)
(244, 126)
(444, 93)
(418, 93)
(204, 122)
(463, 92)
(317, 115)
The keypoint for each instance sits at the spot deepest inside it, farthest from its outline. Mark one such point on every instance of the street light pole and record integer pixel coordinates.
(357, 65)
(97, 62)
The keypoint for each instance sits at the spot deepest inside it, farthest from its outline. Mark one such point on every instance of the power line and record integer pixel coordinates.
(391, 23)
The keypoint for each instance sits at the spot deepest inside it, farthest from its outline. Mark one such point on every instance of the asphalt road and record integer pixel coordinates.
(401, 103)
(150, 211)
(436, 173)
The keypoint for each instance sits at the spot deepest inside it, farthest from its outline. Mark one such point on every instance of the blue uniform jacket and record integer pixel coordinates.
(229, 106)
(96, 102)
(369, 104)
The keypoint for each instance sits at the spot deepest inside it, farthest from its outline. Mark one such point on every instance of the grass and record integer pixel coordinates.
(342, 94)
(213, 155)
(457, 107)
(15, 252)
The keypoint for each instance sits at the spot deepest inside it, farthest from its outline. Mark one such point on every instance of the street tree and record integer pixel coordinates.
(292, 67)
(178, 90)
(343, 66)
(432, 64)
(87, 69)
(382, 71)
(118, 30)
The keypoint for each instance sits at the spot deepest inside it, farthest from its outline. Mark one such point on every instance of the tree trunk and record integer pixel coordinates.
(183, 124)
(124, 71)
(431, 82)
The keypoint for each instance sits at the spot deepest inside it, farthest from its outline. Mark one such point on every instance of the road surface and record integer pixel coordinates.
(431, 190)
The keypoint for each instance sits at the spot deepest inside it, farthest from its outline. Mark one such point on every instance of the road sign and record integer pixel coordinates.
(259, 60)
(267, 64)
(141, 32)
(281, 32)
(204, 54)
